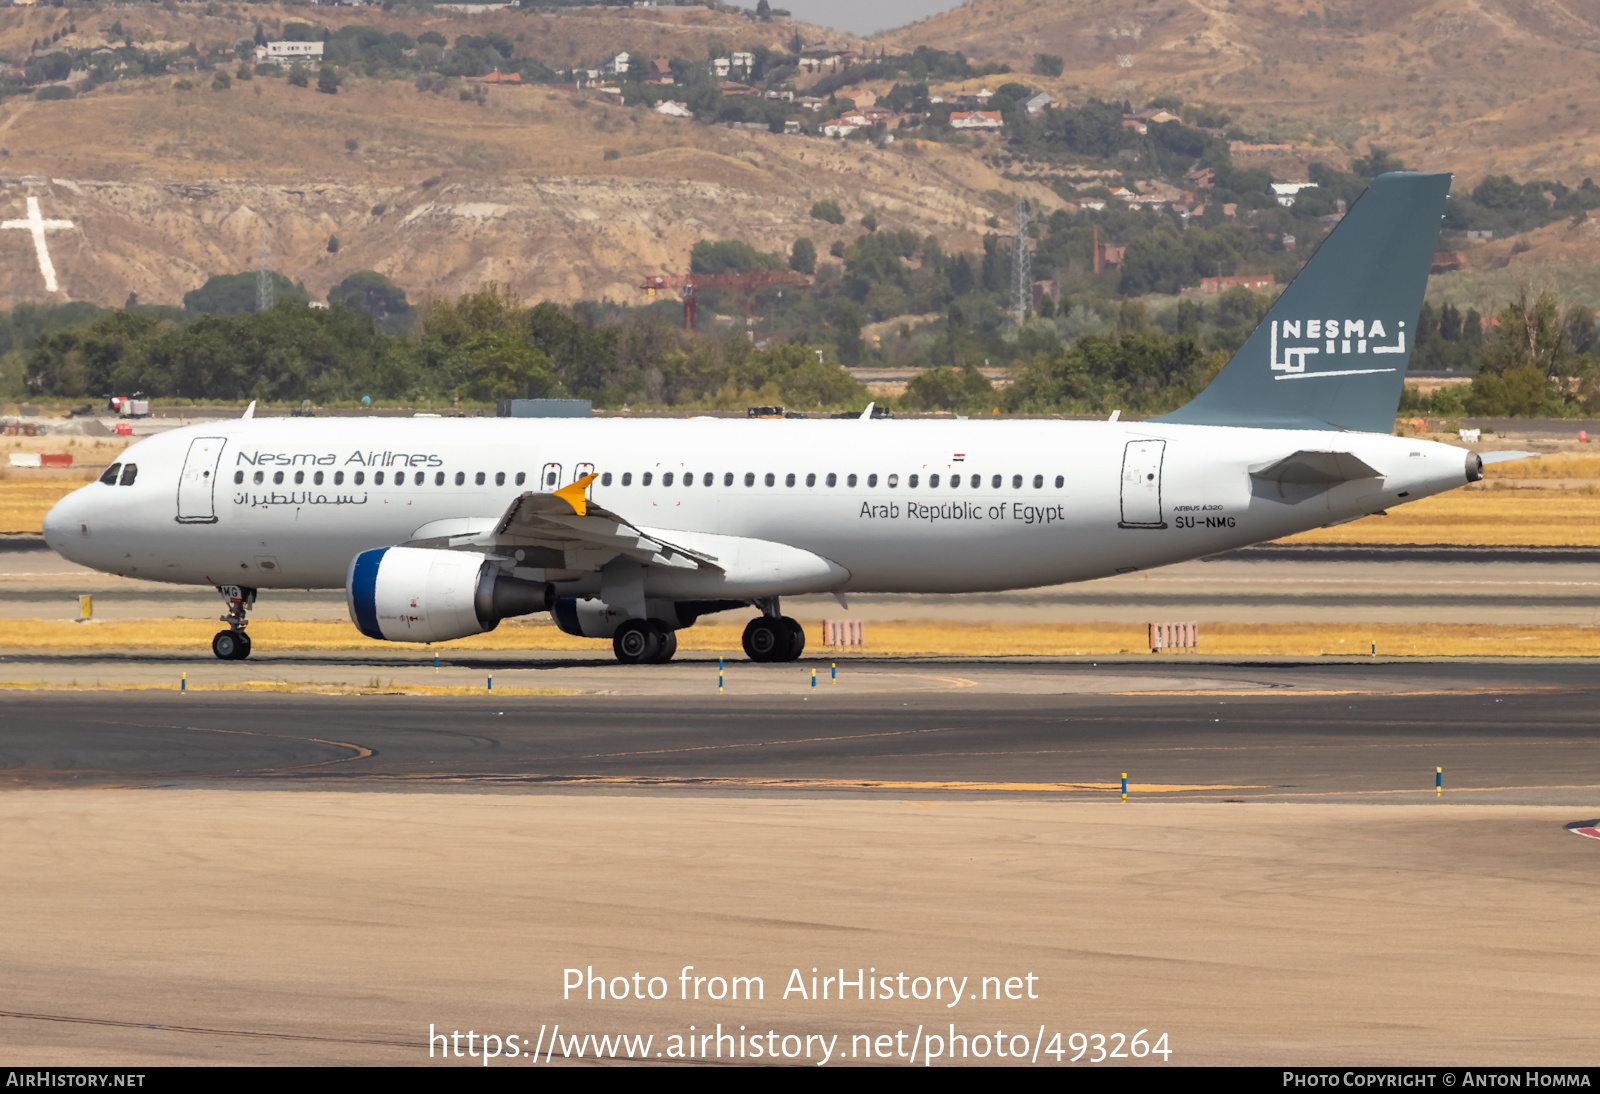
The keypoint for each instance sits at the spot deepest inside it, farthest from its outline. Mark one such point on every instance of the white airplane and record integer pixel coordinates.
(629, 530)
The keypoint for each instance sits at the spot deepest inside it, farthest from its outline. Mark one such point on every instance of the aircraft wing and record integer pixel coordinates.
(564, 531)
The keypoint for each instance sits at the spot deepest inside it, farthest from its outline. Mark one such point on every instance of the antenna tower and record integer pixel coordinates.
(264, 298)
(1022, 264)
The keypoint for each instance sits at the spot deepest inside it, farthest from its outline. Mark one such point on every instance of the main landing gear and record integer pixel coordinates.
(233, 644)
(644, 642)
(773, 637)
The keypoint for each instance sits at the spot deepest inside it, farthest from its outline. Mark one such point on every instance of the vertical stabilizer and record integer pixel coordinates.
(1332, 353)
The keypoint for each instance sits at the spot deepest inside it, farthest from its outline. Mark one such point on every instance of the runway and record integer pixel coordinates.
(1504, 733)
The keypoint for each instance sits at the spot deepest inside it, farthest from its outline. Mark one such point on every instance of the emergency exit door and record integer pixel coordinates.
(197, 484)
(1141, 484)
(550, 478)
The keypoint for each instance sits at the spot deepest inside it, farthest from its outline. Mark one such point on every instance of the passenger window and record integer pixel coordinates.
(522, 477)
(110, 475)
(911, 482)
(277, 477)
(933, 480)
(727, 480)
(788, 480)
(605, 480)
(832, 480)
(872, 480)
(977, 481)
(645, 479)
(749, 478)
(666, 479)
(238, 477)
(317, 478)
(1038, 482)
(955, 482)
(299, 478)
(771, 480)
(811, 479)
(688, 478)
(627, 478)
(892, 481)
(338, 478)
(130, 471)
(1016, 482)
(709, 480)
(377, 478)
(851, 481)
(500, 478)
(361, 477)
(1061, 481)
(996, 482)
(478, 479)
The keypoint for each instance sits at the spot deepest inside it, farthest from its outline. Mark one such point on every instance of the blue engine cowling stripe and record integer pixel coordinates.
(565, 613)
(363, 587)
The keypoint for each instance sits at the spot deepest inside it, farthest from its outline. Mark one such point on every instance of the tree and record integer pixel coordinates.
(730, 256)
(763, 11)
(221, 81)
(829, 211)
(298, 76)
(235, 294)
(370, 292)
(328, 81)
(803, 256)
(333, 245)
(1047, 64)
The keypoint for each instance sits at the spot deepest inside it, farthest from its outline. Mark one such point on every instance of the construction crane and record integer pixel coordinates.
(746, 283)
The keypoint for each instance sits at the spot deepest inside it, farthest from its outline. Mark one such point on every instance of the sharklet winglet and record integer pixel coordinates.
(573, 494)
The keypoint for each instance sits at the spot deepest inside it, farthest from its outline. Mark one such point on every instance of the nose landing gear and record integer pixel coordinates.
(233, 644)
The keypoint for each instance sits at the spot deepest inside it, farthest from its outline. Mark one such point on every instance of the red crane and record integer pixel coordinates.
(746, 283)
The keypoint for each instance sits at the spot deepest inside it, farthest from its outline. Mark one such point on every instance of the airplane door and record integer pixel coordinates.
(1141, 484)
(198, 480)
(579, 472)
(550, 477)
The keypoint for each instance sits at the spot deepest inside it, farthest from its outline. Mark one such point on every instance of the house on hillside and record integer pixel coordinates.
(674, 110)
(1133, 123)
(845, 124)
(660, 72)
(1285, 191)
(1201, 178)
(617, 66)
(976, 119)
(1039, 104)
(288, 52)
(1253, 282)
(498, 77)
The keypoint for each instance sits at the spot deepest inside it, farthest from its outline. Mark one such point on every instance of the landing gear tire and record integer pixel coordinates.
(669, 646)
(231, 645)
(769, 638)
(797, 638)
(638, 642)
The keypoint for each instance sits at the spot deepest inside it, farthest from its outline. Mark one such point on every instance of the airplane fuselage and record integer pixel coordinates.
(901, 506)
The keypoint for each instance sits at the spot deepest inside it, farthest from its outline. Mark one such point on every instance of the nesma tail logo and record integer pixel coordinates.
(1294, 340)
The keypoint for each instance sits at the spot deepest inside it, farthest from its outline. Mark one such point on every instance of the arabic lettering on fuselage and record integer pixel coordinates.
(296, 497)
(327, 459)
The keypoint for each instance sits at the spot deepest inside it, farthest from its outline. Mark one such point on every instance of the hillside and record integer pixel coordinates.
(167, 186)
(1477, 87)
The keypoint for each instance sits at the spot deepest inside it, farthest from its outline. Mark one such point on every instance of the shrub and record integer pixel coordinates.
(328, 82)
(829, 211)
(221, 81)
(60, 91)
(298, 76)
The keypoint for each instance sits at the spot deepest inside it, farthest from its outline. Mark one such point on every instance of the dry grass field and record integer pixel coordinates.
(889, 639)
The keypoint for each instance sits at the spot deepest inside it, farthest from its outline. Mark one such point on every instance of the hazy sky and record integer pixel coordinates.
(859, 16)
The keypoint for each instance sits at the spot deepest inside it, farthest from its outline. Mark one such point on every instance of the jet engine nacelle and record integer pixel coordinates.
(414, 594)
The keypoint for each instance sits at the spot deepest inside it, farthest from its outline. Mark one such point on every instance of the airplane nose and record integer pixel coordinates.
(63, 524)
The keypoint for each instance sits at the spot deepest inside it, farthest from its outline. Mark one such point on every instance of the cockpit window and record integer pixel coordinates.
(110, 475)
(130, 471)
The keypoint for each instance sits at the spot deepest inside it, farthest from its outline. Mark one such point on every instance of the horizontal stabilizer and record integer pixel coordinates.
(1316, 469)
(1502, 457)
